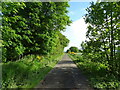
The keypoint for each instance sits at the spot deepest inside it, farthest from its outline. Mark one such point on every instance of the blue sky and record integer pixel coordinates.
(76, 32)
(77, 9)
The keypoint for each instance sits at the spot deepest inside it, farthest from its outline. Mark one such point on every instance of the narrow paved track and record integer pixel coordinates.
(65, 75)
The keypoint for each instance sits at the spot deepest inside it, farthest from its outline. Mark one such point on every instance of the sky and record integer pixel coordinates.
(76, 32)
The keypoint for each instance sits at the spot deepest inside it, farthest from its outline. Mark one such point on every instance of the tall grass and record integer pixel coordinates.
(97, 73)
(27, 72)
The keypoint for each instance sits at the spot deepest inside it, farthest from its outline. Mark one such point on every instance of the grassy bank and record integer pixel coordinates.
(27, 72)
(97, 73)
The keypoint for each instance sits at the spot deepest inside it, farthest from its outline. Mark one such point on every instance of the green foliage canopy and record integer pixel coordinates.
(33, 28)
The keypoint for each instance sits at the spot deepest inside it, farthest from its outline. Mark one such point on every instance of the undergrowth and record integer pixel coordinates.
(97, 73)
(27, 72)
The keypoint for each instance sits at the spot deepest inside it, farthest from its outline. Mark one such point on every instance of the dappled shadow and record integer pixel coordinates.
(66, 62)
(65, 75)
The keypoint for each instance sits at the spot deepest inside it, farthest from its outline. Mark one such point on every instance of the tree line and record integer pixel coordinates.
(33, 28)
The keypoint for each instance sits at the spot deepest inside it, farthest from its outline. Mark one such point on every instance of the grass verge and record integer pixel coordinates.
(96, 73)
(27, 72)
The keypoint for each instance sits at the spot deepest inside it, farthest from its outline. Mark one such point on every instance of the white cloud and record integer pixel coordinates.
(76, 33)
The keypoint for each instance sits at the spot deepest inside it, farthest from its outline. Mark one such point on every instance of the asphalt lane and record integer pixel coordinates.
(65, 75)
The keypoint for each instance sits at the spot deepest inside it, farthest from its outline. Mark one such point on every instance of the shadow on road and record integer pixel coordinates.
(65, 75)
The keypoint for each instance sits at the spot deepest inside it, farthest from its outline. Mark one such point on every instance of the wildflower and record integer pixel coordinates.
(39, 57)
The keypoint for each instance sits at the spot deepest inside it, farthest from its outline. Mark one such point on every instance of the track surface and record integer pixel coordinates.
(65, 75)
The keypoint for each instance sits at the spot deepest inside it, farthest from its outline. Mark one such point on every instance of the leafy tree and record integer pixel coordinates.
(63, 40)
(12, 46)
(73, 49)
(103, 32)
(33, 28)
(67, 51)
